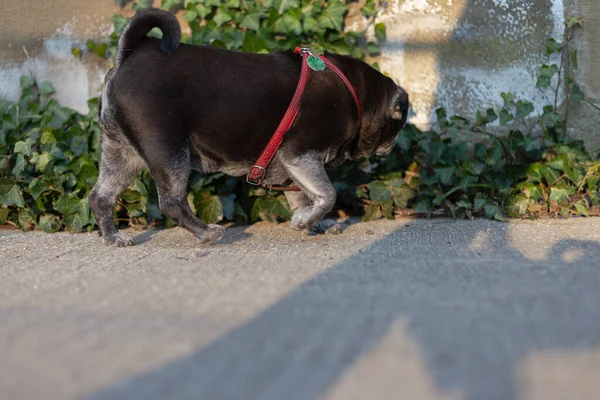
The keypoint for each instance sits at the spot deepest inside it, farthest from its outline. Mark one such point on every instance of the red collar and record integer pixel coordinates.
(259, 169)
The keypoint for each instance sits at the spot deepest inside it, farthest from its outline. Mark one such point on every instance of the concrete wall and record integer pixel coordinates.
(47, 30)
(460, 54)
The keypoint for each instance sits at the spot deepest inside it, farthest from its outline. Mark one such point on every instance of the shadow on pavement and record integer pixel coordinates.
(473, 313)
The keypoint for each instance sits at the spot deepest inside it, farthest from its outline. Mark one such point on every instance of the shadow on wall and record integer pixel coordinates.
(462, 54)
(475, 318)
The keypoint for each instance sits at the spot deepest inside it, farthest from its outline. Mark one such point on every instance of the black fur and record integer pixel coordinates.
(143, 22)
(182, 107)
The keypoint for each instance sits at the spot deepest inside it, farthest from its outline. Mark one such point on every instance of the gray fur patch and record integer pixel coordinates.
(309, 173)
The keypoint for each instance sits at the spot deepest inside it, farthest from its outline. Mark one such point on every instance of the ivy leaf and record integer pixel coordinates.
(465, 204)
(46, 88)
(67, 203)
(474, 167)
(372, 212)
(577, 94)
(380, 33)
(505, 116)
(49, 223)
(219, 43)
(283, 5)
(170, 3)
(333, 15)
(531, 190)
(546, 75)
(26, 82)
(444, 174)
(423, 206)
(13, 197)
(26, 219)
(78, 145)
(37, 186)
(232, 4)
(404, 142)
(253, 43)
(119, 23)
(491, 209)
(524, 108)
(552, 46)
(24, 147)
(80, 217)
(190, 15)
(550, 175)
(19, 165)
(368, 9)
(479, 204)
(520, 204)
(208, 207)
(402, 195)
(508, 98)
(251, 21)
(549, 71)
(379, 192)
(542, 82)
(582, 209)
(271, 209)
(4, 213)
(203, 10)
(289, 22)
(373, 49)
(311, 25)
(47, 136)
(222, 16)
(560, 195)
(41, 161)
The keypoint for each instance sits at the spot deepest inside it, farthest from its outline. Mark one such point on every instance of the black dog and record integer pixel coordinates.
(173, 107)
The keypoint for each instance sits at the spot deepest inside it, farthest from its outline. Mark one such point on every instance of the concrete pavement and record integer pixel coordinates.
(387, 310)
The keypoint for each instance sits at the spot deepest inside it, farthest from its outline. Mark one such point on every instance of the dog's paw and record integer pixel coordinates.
(119, 239)
(302, 219)
(211, 234)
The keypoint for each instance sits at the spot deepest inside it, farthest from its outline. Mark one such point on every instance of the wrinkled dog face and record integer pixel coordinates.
(395, 120)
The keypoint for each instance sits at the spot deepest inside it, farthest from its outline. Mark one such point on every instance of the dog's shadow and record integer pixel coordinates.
(146, 236)
(233, 234)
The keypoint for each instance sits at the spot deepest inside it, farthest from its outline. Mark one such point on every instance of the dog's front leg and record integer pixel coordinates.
(309, 173)
(299, 201)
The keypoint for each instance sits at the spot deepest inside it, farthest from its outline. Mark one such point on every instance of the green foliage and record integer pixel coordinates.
(49, 154)
(533, 170)
(49, 163)
(261, 26)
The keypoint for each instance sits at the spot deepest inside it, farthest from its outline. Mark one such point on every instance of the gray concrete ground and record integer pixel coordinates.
(387, 310)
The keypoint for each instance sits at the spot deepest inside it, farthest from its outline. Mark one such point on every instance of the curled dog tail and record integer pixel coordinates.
(143, 22)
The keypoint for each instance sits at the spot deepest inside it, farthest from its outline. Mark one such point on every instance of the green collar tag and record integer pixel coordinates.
(315, 63)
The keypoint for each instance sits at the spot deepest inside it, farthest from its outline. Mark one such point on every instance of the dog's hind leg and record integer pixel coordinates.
(119, 165)
(309, 173)
(171, 173)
